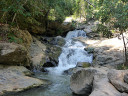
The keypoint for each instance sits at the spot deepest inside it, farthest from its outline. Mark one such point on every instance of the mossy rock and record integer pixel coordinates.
(83, 64)
(13, 54)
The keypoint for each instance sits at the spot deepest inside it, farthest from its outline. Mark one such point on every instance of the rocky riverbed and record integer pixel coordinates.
(99, 82)
(37, 53)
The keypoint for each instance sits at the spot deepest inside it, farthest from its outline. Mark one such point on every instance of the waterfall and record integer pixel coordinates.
(72, 52)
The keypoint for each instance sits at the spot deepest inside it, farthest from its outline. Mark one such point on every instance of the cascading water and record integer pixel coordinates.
(72, 53)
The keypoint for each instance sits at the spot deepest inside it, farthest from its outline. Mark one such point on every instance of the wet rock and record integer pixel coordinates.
(71, 71)
(60, 41)
(53, 52)
(89, 50)
(50, 63)
(44, 70)
(44, 54)
(116, 77)
(13, 79)
(13, 54)
(48, 40)
(53, 40)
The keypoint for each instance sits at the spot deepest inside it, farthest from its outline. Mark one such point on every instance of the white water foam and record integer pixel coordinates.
(72, 53)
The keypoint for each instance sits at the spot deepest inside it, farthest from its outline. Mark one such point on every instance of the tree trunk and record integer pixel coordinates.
(125, 49)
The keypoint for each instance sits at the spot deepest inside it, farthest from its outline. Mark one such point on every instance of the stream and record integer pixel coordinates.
(72, 53)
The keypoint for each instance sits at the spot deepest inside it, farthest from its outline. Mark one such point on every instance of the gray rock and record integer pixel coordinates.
(89, 50)
(126, 78)
(116, 78)
(124, 94)
(60, 41)
(93, 82)
(102, 87)
(13, 54)
(106, 52)
(37, 53)
(71, 70)
(81, 81)
(14, 79)
(44, 54)
(53, 40)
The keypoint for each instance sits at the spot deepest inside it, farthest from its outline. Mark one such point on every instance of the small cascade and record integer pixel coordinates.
(72, 53)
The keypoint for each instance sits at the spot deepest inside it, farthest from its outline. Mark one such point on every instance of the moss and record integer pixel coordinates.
(12, 38)
(85, 65)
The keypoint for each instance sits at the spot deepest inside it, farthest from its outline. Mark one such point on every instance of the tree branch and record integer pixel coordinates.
(89, 3)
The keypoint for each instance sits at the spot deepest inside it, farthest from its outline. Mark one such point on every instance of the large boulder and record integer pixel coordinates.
(13, 79)
(10, 34)
(116, 77)
(102, 86)
(24, 36)
(37, 53)
(45, 53)
(95, 82)
(82, 80)
(71, 70)
(13, 54)
(53, 52)
(60, 41)
(53, 48)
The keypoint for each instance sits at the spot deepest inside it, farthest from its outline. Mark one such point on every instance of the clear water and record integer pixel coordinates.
(59, 87)
(72, 52)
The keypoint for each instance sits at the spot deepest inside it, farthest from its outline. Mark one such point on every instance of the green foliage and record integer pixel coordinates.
(34, 12)
(122, 67)
(113, 9)
(121, 16)
(12, 38)
(74, 24)
(104, 31)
